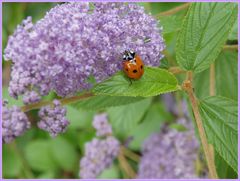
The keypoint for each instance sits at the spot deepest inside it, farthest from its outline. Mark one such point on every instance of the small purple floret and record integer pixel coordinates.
(14, 123)
(53, 118)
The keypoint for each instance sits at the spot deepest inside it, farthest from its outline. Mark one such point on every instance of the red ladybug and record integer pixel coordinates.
(132, 65)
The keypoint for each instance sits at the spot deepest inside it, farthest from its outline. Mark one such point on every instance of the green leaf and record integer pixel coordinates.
(47, 175)
(64, 153)
(11, 162)
(220, 122)
(164, 63)
(124, 118)
(204, 32)
(39, 155)
(79, 118)
(110, 173)
(83, 138)
(223, 169)
(234, 32)
(155, 81)
(101, 102)
(151, 123)
(226, 76)
(170, 23)
(157, 7)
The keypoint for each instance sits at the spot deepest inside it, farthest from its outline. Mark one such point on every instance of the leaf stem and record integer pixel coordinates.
(173, 11)
(187, 86)
(125, 166)
(64, 101)
(176, 70)
(212, 80)
(230, 47)
(130, 154)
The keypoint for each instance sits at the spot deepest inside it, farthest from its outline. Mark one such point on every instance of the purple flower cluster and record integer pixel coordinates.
(170, 154)
(53, 118)
(99, 153)
(14, 123)
(31, 97)
(100, 123)
(73, 41)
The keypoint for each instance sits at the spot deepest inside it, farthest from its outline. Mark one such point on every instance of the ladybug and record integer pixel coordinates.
(133, 66)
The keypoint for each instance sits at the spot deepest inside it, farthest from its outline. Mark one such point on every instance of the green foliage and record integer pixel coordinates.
(39, 155)
(223, 169)
(151, 123)
(64, 153)
(204, 31)
(155, 81)
(110, 173)
(47, 175)
(226, 77)
(124, 118)
(220, 122)
(79, 118)
(170, 23)
(11, 162)
(234, 32)
(101, 102)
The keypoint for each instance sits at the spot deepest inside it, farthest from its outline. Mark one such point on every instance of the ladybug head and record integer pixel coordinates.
(128, 55)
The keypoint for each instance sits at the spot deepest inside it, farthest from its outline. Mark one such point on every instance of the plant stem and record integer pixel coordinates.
(63, 102)
(173, 11)
(187, 86)
(128, 153)
(230, 47)
(212, 80)
(125, 165)
(176, 70)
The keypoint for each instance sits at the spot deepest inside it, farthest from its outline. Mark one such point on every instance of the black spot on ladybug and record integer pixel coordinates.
(126, 69)
(134, 71)
(141, 67)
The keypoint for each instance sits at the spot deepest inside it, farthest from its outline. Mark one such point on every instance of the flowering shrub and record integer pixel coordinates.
(71, 43)
(99, 153)
(72, 111)
(170, 154)
(53, 119)
(14, 123)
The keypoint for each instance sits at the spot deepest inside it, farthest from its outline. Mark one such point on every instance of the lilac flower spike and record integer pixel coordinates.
(14, 123)
(99, 153)
(170, 154)
(53, 119)
(100, 123)
(72, 42)
(31, 97)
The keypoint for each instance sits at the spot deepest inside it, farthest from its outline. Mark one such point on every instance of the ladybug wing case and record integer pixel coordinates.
(133, 70)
